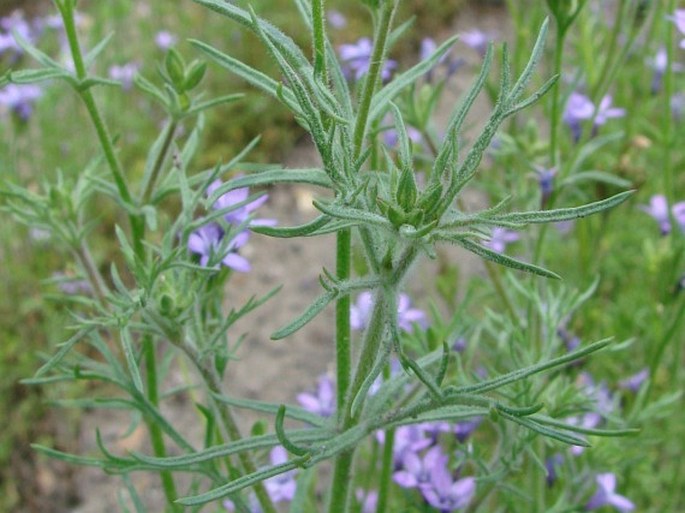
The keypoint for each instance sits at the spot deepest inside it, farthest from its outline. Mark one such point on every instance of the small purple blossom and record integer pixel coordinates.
(634, 382)
(124, 73)
(71, 285)
(238, 215)
(356, 58)
(165, 39)
(476, 39)
(551, 465)
(322, 402)
(606, 495)
(17, 23)
(19, 99)
(390, 136)
(416, 471)
(336, 19)
(447, 494)
(546, 182)
(407, 317)
(679, 19)
(658, 210)
(659, 65)
(368, 500)
(464, 429)
(500, 238)
(580, 108)
(207, 241)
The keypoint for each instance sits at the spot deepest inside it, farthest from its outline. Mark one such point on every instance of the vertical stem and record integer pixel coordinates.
(319, 25)
(667, 121)
(156, 435)
(556, 93)
(148, 187)
(137, 223)
(342, 321)
(386, 471)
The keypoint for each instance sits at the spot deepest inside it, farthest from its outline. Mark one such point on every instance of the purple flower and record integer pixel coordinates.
(368, 501)
(602, 404)
(679, 20)
(207, 241)
(500, 238)
(323, 401)
(360, 313)
(546, 182)
(238, 215)
(416, 471)
(336, 19)
(634, 382)
(19, 99)
(580, 108)
(476, 39)
(411, 438)
(659, 65)
(165, 39)
(390, 136)
(463, 430)
(606, 496)
(15, 22)
(124, 73)
(357, 59)
(446, 494)
(70, 285)
(281, 488)
(459, 345)
(551, 465)
(658, 209)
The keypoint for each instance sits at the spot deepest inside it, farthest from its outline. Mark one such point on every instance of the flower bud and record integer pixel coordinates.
(194, 75)
(406, 190)
(175, 68)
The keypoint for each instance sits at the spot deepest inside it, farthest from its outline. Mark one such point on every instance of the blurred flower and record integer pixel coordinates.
(411, 438)
(124, 73)
(551, 465)
(464, 429)
(165, 39)
(19, 99)
(356, 59)
(677, 105)
(239, 214)
(659, 65)
(368, 501)
(70, 285)
(658, 209)
(415, 471)
(281, 488)
(446, 494)
(360, 313)
(500, 238)
(207, 241)
(606, 496)
(451, 65)
(634, 382)
(15, 22)
(390, 136)
(459, 345)
(476, 39)
(336, 19)
(323, 401)
(546, 182)
(601, 404)
(580, 108)
(679, 20)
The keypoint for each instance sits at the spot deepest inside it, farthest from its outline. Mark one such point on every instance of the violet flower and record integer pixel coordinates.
(551, 465)
(606, 495)
(659, 65)
(416, 471)
(207, 241)
(476, 39)
(411, 438)
(238, 215)
(165, 40)
(336, 19)
(368, 500)
(281, 488)
(679, 19)
(407, 317)
(15, 22)
(658, 209)
(546, 182)
(500, 238)
(580, 108)
(322, 402)
(356, 59)
(19, 99)
(446, 494)
(124, 73)
(390, 136)
(634, 382)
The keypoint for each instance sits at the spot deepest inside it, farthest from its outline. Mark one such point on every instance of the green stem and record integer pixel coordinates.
(137, 223)
(156, 435)
(319, 25)
(556, 93)
(342, 319)
(169, 132)
(386, 471)
(667, 121)
(377, 59)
